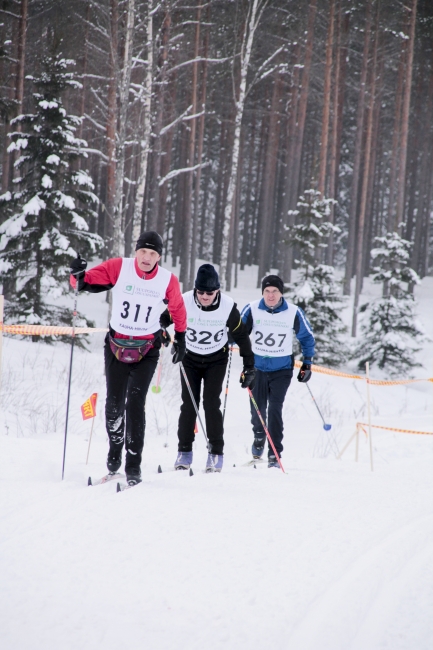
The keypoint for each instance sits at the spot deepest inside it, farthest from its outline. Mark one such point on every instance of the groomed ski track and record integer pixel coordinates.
(327, 556)
(330, 556)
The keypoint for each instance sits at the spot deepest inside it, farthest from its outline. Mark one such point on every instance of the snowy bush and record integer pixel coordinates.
(45, 220)
(390, 331)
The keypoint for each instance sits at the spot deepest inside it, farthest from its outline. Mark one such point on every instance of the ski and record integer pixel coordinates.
(254, 461)
(121, 487)
(176, 469)
(105, 479)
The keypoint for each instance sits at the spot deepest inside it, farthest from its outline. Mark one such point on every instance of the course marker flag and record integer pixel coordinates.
(88, 409)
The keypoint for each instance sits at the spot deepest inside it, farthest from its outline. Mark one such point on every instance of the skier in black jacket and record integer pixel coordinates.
(211, 316)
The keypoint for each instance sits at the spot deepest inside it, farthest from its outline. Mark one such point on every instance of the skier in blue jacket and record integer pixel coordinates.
(271, 321)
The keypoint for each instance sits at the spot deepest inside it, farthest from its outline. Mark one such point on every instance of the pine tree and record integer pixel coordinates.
(316, 290)
(390, 333)
(45, 220)
(320, 297)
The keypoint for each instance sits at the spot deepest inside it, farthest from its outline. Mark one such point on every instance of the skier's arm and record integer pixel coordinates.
(176, 305)
(239, 333)
(101, 278)
(247, 318)
(304, 335)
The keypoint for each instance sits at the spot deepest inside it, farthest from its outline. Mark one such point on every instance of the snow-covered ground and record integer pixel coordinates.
(328, 556)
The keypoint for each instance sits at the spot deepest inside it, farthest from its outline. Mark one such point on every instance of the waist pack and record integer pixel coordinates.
(130, 351)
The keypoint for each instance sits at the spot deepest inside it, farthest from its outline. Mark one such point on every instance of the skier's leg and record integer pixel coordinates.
(212, 386)
(140, 376)
(188, 416)
(116, 374)
(279, 382)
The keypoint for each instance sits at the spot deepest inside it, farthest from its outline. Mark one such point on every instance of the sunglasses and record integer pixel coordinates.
(207, 293)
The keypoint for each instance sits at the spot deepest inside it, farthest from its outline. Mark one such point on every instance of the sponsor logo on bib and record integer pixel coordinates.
(129, 288)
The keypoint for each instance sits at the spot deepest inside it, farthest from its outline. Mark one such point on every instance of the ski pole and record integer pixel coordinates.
(74, 315)
(194, 402)
(227, 385)
(265, 428)
(327, 427)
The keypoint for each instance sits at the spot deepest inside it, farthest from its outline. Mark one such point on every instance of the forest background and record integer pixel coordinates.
(207, 121)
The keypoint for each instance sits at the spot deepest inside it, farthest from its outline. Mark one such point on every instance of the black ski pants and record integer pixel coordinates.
(269, 392)
(212, 374)
(127, 386)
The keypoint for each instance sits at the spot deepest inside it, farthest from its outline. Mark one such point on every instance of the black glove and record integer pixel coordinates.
(78, 267)
(165, 320)
(165, 337)
(179, 347)
(305, 372)
(247, 378)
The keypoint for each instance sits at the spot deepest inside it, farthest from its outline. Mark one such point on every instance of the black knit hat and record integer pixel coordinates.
(273, 281)
(207, 278)
(150, 239)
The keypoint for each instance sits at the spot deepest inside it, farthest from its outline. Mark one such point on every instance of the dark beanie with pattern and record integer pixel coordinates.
(150, 239)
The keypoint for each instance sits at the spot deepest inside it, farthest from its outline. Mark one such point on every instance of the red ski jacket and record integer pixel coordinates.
(104, 276)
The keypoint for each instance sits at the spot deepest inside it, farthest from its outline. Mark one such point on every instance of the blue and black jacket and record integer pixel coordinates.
(302, 329)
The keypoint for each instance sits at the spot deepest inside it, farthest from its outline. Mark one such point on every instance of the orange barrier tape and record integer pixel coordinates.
(48, 330)
(378, 426)
(376, 382)
(52, 330)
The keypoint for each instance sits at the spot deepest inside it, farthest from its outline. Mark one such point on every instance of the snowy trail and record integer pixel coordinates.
(329, 556)
(247, 558)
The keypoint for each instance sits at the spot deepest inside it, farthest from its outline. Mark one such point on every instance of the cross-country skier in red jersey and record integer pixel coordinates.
(140, 289)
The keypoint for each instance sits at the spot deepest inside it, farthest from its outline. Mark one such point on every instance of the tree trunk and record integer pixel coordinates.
(156, 162)
(323, 158)
(245, 55)
(286, 252)
(405, 118)
(145, 127)
(118, 235)
(20, 67)
(84, 77)
(303, 100)
(267, 221)
(396, 140)
(246, 234)
(187, 244)
(202, 105)
(111, 128)
(334, 135)
(366, 173)
(354, 191)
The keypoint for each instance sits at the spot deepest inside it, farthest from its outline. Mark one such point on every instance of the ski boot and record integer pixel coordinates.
(258, 448)
(133, 475)
(114, 461)
(272, 461)
(183, 460)
(214, 463)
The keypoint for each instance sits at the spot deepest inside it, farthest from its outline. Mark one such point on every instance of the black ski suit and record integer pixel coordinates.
(209, 369)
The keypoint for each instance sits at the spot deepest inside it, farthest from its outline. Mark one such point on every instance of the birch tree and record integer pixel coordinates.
(125, 79)
(145, 127)
(255, 11)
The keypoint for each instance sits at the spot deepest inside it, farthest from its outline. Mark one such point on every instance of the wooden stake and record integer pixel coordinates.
(90, 440)
(367, 372)
(357, 443)
(347, 443)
